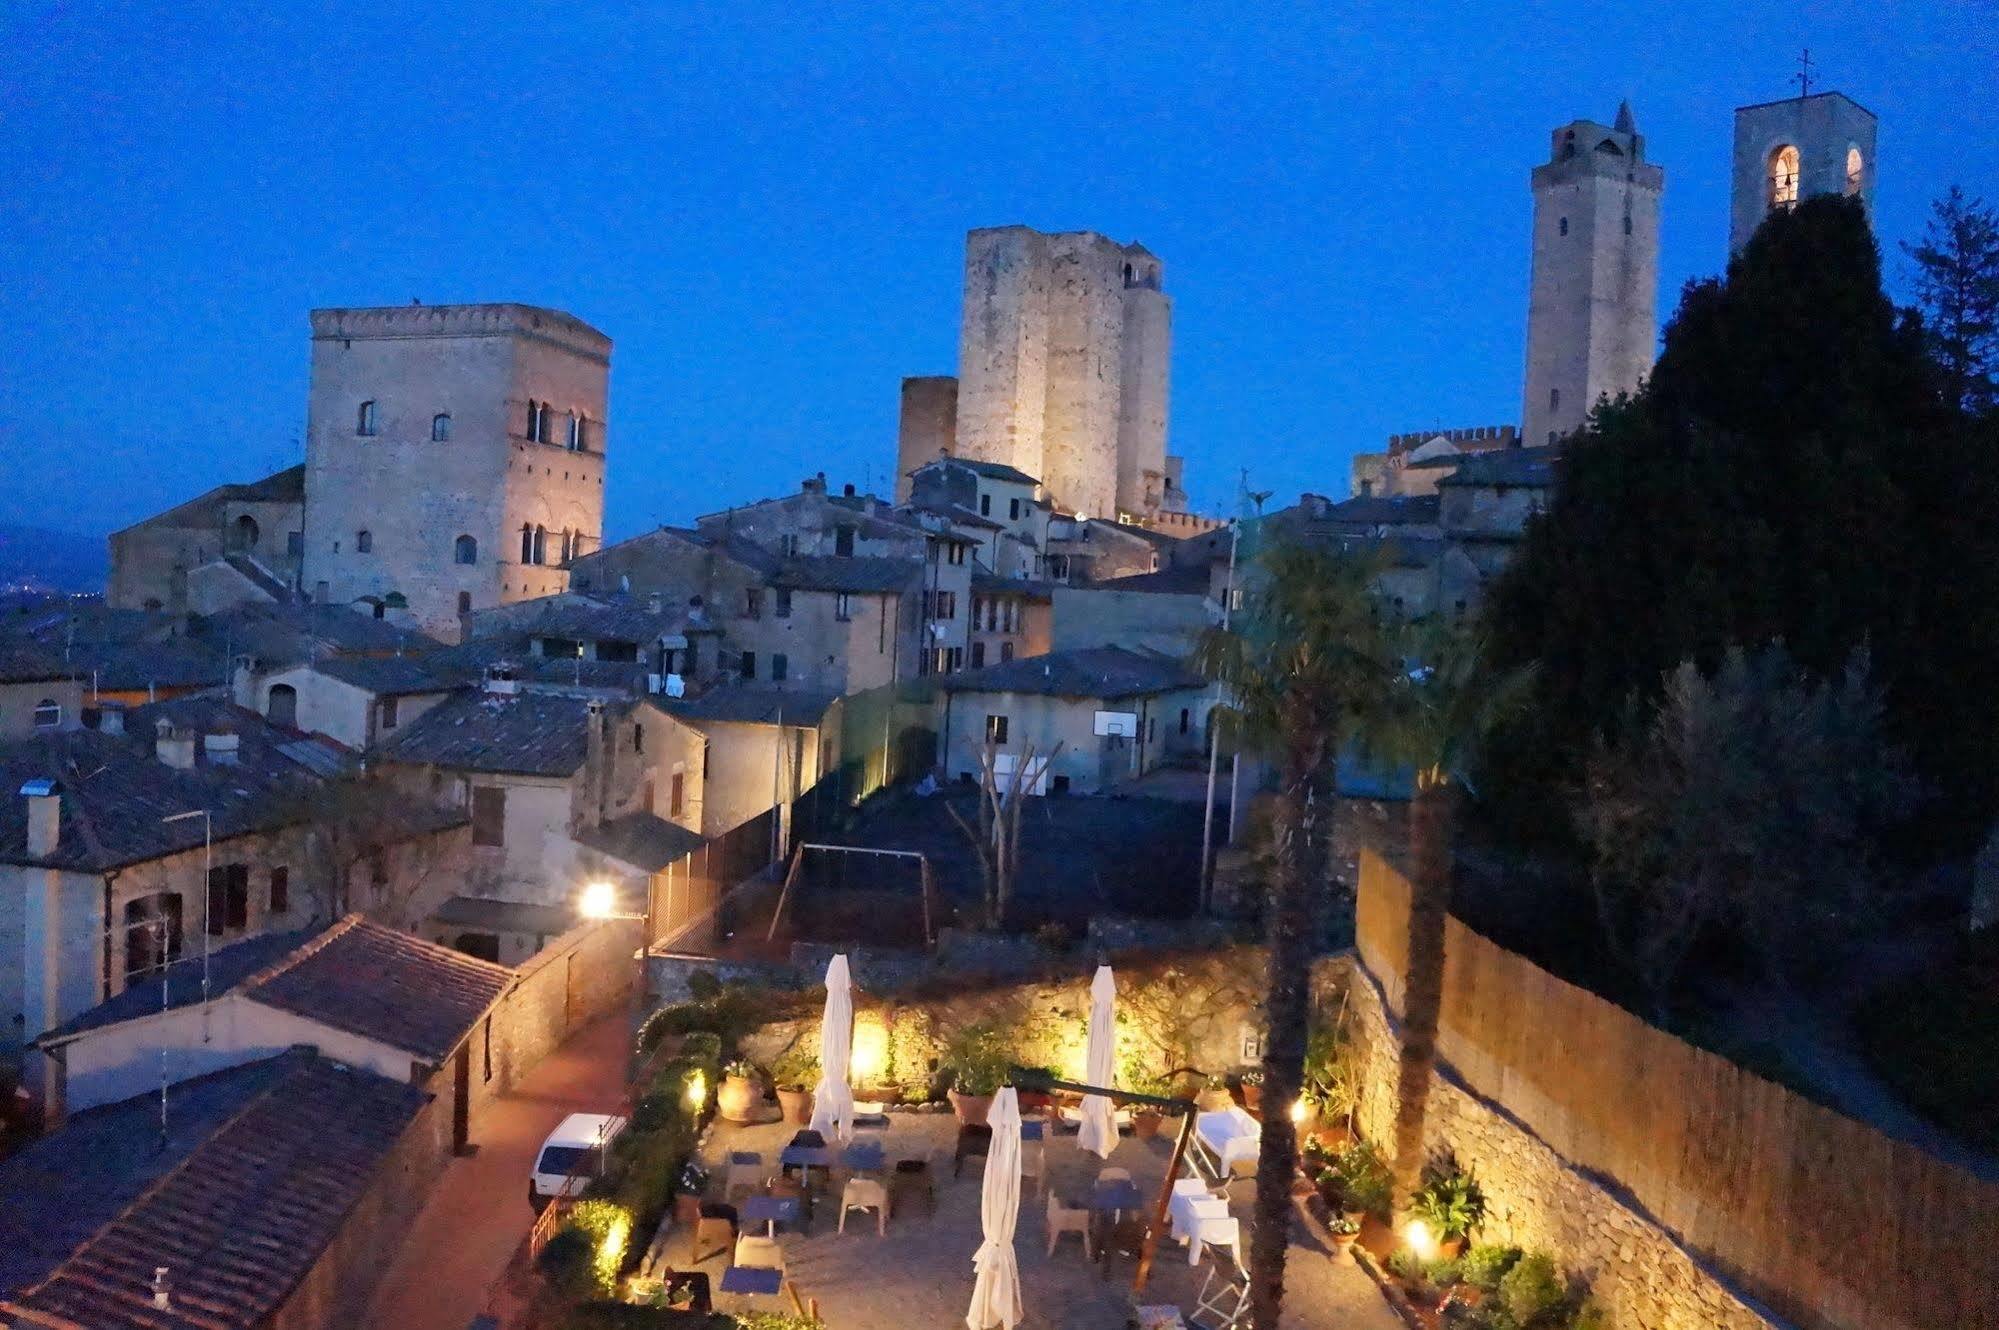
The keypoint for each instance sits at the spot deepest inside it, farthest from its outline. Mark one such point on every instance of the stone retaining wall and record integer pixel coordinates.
(1536, 1199)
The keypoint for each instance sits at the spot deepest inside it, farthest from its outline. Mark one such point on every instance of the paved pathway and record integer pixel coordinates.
(919, 1276)
(478, 1213)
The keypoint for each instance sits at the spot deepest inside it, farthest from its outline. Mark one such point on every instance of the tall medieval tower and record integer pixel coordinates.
(1791, 150)
(1592, 323)
(454, 456)
(1062, 372)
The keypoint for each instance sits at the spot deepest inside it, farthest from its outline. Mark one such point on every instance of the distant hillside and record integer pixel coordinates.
(37, 559)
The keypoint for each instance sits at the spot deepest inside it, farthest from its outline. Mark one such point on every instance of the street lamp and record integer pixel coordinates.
(598, 902)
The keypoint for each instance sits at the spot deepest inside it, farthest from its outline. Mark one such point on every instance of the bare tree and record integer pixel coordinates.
(357, 822)
(996, 839)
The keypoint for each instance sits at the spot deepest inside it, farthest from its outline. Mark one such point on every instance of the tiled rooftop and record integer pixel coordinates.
(385, 985)
(258, 1178)
(1089, 672)
(533, 732)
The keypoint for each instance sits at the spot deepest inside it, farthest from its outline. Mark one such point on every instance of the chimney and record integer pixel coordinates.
(243, 682)
(848, 489)
(598, 752)
(44, 798)
(500, 680)
(221, 747)
(655, 604)
(110, 717)
(174, 746)
(815, 484)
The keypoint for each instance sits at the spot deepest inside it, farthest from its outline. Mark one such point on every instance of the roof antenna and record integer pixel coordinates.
(1804, 74)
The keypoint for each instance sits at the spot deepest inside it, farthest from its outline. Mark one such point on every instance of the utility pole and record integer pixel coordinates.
(207, 899)
(1214, 742)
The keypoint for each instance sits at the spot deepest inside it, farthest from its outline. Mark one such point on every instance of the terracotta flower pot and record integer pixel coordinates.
(738, 1098)
(1214, 1101)
(795, 1105)
(971, 1109)
(686, 1207)
(1252, 1096)
(1145, 1126)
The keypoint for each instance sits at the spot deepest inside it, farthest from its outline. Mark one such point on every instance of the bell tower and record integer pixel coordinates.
(1592, 326)
(1785, 151)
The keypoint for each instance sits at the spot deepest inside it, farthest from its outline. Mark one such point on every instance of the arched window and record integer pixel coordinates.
(281, 706)
(1853, 171)
(364, 542)
(440, 428)
(527, 544)
(243, 533)
(538, 421)
(465, 602)
(540, 545)
(364, 418)
(465, 550)
(1554, 399)
(574, 439)
(48, 714)
(1784, 176)
(1565, 226)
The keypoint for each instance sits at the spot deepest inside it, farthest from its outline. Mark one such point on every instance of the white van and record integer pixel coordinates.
(576, 1147)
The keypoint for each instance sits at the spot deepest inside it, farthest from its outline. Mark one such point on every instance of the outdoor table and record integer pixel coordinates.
(752, 1279)
(1033, 1129)
(770, 1211)
(1117, 1194)
(866, 1157)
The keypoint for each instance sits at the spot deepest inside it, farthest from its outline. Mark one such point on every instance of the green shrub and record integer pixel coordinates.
(652, 1112)
(565, 1262)
(797, 1068)
(1443, 1271)
(978, 1058)
(1365, 1184)
(1405, 1264)
(1589, 1316)
(1533, 1290)
(1486, 1264)
(702, 1046)
(702, 985)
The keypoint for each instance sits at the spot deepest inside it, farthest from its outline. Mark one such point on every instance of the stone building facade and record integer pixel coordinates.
(232, 544)
(454, 456)
(1063, 354)
(1592, 324)
(1794, 149)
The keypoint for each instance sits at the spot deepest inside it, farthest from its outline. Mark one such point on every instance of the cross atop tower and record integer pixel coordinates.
(1804, 74)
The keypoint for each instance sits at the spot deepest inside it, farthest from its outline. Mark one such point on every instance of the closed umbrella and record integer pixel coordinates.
(1099, 1129)
(832, 1101)
(996, 1285)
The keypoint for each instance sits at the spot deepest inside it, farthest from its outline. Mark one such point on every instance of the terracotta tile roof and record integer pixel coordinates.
(243, 1215)
(643, 840)
(1095, 672)
(385, 985)
(528, 733)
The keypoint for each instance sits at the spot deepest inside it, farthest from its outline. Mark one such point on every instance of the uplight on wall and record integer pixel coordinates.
(598, 901)
(1421, 1241)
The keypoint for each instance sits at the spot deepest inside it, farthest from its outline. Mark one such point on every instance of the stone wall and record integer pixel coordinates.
(586, 973)
(1536, 1199)
(1175, 1010)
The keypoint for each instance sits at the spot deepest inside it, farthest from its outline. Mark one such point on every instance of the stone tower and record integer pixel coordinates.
(454, 456)
(927, 427)
(1592, 308)
(1062, 367)
(1794, 149)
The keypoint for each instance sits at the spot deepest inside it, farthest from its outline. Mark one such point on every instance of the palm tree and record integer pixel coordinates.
(1307, 658)
(1437, 709)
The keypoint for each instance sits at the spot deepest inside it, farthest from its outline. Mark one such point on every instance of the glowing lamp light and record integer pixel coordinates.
(1300, 1110)
(869, 1056)
(599, 900)
(1421, 1241)
(697, 1091)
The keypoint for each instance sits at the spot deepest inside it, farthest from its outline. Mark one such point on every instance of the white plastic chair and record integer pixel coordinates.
(865, 1194)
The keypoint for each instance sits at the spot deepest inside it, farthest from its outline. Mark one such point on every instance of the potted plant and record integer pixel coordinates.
(1364, 1185)
(1343, 1229)
(739, 1095)
(1214, 1096)
(794, 1074)
(1450, 1203)
(1250, 1083)
(976, 1061)
(687, 1190)
(1037, 1101)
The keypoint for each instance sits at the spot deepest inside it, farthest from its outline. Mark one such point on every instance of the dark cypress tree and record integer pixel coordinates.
(1790, 471)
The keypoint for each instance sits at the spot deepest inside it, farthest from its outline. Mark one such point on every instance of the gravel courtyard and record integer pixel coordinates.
(919, 1276)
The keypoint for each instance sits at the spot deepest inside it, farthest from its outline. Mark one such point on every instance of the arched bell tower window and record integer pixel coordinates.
(1853, 170)
(364, 418)
(440, 428)
(1784, 176)
(465, 550)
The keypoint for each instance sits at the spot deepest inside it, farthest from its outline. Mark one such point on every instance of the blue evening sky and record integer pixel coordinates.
(764, 205)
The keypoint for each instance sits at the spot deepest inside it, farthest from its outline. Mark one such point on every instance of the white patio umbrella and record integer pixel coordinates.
(832, 1101)
(1099, 1127)
(996, 1286)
